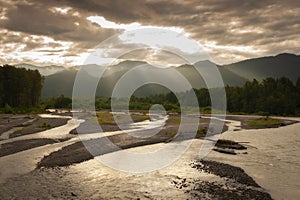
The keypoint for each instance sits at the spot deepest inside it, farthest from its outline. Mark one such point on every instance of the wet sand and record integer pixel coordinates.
(17, 125)
(22, 145)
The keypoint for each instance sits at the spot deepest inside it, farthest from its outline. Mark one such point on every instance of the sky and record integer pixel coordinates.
(64, 32)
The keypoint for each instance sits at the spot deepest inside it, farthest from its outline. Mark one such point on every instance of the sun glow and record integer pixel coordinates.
(104, 23)
(246, 49)
(62, 11)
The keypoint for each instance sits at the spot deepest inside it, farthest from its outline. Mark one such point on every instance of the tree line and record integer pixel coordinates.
(278, 96)
(20, 87)
(272, 96)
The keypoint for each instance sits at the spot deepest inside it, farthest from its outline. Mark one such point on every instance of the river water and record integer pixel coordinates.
(273, 158)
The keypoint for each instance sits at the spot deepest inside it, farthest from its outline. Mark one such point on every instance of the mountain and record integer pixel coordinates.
(235, 74)
(59, 83)
(204, 68)
(45, 70)
(62, 82)
(287, 65)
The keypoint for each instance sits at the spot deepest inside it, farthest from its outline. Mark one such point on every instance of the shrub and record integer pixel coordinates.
(44, 125)
(201, 132)
(8, 109)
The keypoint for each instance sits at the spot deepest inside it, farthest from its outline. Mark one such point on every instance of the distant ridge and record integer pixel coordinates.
(45, 70)
(285, 64)
(236, 74)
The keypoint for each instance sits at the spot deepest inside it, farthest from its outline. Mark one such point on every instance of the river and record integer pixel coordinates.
(272, 160)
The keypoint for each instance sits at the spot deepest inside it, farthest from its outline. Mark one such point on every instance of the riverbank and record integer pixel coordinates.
(18, 125)
(254, 121)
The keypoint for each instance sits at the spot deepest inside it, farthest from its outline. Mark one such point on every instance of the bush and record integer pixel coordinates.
(261, 113)
(8, 109)
(44, 125)
(201, 132)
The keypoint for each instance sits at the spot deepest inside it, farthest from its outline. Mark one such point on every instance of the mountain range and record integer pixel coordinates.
(44, 70)
(60, 80)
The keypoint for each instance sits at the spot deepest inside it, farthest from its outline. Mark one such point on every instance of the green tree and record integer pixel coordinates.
(19, 87)
(62, 102)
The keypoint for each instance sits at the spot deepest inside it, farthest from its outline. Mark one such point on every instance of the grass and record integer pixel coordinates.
(138, 118)
(107, 118)
(172, 134)
(264, 122)
(201, 132)
(44, 125)
(175, 120)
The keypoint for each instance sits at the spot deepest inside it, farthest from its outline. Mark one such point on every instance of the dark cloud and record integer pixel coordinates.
(38, 19)
(267, 26)
(117, 10)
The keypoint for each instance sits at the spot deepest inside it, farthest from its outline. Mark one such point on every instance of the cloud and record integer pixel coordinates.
(238, 29)
(63, 26)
